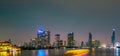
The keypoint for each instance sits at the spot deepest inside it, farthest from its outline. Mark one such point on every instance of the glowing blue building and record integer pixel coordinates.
(43, 38)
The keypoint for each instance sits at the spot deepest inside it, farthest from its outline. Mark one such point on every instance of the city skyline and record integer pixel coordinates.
(66, 38)
(20, 20)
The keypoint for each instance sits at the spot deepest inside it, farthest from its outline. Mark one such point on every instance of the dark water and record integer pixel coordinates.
(61, 52)
(105, 52)
(50, 52)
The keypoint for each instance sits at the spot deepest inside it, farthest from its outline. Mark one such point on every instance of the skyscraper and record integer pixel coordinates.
(90, 40)
(47, 37)
(71, 39)
(43, 38)
(57, 40)
(57, 37)
(113, 38)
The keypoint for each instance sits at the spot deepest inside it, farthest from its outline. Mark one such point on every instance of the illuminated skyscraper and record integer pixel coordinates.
(57, 37)
(47, 36)
(113, 37)
(61, 43)
(40, 33)
(57, 40)
(33, 42)
(71, 39)
(43, 38)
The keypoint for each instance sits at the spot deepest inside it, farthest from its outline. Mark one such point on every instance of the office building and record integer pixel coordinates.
(43, 38)
(57, 40)
(71, 41)
(90, 41)
(113, 38)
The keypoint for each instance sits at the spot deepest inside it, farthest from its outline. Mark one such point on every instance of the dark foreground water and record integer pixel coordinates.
(61, 52)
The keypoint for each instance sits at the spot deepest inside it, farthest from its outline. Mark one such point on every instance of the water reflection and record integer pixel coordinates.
(11, 53)
(65, 52)
(46, 52)
(117, 52)
(50, 52)
(78, 52)
(41, 53)
(105, 52)
(72, 52)
(91, 52)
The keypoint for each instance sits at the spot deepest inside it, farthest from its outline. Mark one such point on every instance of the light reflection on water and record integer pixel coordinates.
(11, 53)
(78, 52)
(117, 52)
(41, 53)
(61, 52)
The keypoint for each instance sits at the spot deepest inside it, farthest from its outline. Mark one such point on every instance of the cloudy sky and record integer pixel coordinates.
(20, 20)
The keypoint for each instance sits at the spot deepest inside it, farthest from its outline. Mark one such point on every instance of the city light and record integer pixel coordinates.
(40, 53)
(79, 52)
(117, 44)
(7, 49)
(41, 31)
(113, 29)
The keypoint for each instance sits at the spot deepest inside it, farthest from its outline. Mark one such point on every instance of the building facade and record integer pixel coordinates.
(90, 40)
(71, 41)
(113, 38)
(57, 40)
(43, 38)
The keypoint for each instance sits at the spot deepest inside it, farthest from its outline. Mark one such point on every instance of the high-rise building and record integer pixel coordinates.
(57, 40)
(64, 43)
(90, 40)
(82, 45)
(95, 43)
(47, 36)
(61, 43)
(43, 38)
(71, 39)
(113, 38)
(33, 42)
(57, 37)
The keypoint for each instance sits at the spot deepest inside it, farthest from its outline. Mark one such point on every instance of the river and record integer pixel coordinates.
(62, 52)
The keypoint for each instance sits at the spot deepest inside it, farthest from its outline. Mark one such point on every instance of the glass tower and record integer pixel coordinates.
(71, 39)
(113, 38)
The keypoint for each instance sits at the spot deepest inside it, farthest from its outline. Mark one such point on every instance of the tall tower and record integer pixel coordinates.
(40, 36)
(43, 38)
(57, 40)
(90, 40)
(57, 37)
(71, 39)
(40, 33)
(113, 38)
(47, 37)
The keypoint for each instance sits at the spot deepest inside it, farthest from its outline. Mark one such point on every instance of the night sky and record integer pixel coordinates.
(20, 20)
